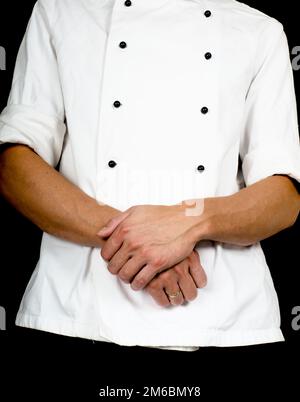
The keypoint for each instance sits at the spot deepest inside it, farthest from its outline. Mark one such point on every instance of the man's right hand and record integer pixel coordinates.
(181, 281)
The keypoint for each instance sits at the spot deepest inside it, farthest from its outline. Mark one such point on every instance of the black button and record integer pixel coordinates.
(207, 13)
(117, 103)
(200, 168)
(112, 164)
(123, 45)
(208, 55)
(127, 3)
(204, 110)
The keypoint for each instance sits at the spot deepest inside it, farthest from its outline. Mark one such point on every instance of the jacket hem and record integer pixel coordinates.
(184, 338)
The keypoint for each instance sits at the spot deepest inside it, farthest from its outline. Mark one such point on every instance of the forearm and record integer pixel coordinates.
(49, 200)
(253, 214)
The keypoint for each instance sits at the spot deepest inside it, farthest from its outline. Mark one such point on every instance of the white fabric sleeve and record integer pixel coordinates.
(34, 114)
(270, 143)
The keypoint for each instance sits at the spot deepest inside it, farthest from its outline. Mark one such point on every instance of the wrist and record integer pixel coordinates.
(196, 217)
(202, 216)
(94, 217)
(106, 213)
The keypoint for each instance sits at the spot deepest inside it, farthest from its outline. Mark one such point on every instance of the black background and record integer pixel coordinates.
(38, 364)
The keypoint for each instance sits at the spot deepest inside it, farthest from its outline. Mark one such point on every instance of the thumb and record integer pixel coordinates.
(197, 270)
(112, 224)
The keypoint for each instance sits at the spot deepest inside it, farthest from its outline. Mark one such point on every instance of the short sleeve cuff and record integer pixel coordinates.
(258, 165)
(22, 124)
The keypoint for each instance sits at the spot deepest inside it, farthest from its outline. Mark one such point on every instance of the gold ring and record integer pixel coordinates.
(174, 295)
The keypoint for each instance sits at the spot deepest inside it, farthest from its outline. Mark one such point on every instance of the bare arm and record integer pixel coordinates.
(253, 214)
(48, 199)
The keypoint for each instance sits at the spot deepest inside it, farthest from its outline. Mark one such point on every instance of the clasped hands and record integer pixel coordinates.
(151, 247)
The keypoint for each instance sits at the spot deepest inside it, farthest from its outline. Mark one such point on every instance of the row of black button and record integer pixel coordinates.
(113, 164)
(204, 110)
(117, 104)
(128, 3)
(123, 45)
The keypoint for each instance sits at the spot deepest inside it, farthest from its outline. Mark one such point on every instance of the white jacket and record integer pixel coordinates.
(199, 83)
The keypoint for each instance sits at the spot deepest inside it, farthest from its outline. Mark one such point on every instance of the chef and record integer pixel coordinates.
(155, 143)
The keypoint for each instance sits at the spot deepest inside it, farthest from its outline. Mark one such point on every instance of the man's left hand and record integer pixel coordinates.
(146, 240)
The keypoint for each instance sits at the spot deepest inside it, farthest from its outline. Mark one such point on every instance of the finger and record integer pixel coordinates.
(188, 287)
(112, 224)
(111, 246)
(118, 260)
(174, 294)
(131, 268)
(159, 296)
(197, 271)
(141, 280)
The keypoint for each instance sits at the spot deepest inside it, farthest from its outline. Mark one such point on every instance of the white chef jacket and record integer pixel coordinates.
(156, 111)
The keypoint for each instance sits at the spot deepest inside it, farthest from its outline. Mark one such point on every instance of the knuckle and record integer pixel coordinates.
(169, 275)
(164, 276)
(178, 269)
(181, 270)
(133, 244)
(158, 261)
(145, 252)
(124, 229)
